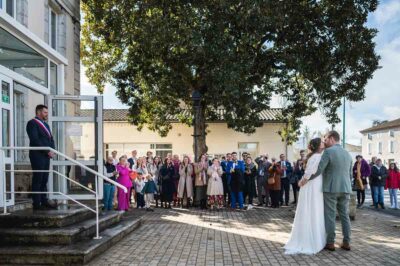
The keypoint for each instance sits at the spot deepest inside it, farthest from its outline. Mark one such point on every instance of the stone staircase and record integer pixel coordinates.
(63, 236)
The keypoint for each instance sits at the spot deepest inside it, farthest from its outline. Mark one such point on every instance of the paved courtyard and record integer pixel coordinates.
(254, 237)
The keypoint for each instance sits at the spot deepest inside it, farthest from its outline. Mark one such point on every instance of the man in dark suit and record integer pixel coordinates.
(40, 136)
(133, 160)
(287, 171)
(224, 165)
(262, 177)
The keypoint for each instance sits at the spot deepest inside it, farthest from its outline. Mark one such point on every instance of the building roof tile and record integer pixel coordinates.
(382, 126)
(269, 115)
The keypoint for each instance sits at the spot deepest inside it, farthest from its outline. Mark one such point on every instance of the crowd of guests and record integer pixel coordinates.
(207, 183)
(379, 178)
(228, 181)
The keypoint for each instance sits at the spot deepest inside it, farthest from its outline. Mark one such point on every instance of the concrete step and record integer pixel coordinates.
(20, 204)
(63, 216)
(58, 236)
(76, 254)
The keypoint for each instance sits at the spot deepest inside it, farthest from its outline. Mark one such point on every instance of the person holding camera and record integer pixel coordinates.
(274, 183)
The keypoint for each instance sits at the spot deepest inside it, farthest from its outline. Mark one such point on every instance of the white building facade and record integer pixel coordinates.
(39, 59)
(382, 141)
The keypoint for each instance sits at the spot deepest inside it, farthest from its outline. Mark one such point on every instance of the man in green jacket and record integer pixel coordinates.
(336, 169)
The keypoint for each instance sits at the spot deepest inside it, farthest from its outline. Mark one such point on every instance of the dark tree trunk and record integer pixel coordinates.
(200, 132)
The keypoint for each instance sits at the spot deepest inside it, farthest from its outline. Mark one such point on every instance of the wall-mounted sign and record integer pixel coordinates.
(5, 99)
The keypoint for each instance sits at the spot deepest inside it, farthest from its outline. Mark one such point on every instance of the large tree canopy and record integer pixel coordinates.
(236, 53)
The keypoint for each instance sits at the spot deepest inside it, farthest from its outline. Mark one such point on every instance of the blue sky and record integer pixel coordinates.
(382, 92)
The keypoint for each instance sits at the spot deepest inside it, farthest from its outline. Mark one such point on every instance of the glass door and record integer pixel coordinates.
(6, 138)
(78, 133)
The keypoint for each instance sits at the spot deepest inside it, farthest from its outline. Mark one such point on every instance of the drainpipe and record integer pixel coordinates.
(286, 144)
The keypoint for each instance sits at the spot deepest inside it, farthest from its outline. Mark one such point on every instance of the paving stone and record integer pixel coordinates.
(255, 237)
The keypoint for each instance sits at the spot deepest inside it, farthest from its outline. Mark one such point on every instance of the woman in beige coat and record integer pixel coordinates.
(185, 185)
(200, 182)
(215, 188)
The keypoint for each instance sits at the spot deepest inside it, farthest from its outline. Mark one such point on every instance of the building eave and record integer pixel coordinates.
(25, 35)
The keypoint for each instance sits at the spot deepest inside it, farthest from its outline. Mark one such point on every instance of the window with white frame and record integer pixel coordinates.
(9, 6)
(22, 59)
(369, 148)
(53, 28)
(391, 133)
(380, 144)
(158, 149)
(248, 147)
(369, 136)
(391, 146)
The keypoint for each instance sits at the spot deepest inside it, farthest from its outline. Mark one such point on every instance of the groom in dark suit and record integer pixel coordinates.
(40, 136)
(336, 168)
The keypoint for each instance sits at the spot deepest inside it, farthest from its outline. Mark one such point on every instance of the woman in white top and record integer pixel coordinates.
(308, 234)
(215, 188)
(185, 185)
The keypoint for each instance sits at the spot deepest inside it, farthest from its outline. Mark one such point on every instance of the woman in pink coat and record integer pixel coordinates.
(124, 179)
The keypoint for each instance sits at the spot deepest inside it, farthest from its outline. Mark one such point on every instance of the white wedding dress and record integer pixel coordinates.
(308, 233)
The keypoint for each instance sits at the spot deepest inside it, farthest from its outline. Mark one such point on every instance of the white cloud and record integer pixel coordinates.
(382, 95)
(392, 112)
(387, 12)
(110, 100)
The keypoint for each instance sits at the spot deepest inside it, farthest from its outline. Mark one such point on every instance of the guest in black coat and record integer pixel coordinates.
(236, 187)
(379, 174)
(166, 178)
(40, 135)
(297, 175)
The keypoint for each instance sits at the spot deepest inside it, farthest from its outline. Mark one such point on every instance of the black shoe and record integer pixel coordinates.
(38, 208)
(382, 206)
(48, 206)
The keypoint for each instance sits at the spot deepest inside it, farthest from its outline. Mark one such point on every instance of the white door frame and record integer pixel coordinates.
(8, 160)
(97, 119)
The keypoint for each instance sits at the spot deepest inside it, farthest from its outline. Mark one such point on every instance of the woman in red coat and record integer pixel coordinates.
(393, 184)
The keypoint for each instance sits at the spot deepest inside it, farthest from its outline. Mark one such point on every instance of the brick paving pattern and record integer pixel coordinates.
(254, 237)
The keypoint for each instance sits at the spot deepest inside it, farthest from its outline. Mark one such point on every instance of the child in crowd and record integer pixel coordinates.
(148, 191)
(139, 185)
(123, 178)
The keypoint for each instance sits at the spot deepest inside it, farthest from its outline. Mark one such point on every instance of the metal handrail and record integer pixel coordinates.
(52, 171)
(97, 174)
(69, 159)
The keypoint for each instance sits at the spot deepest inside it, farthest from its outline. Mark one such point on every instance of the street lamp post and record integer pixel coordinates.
(196, 99)
(344, 123)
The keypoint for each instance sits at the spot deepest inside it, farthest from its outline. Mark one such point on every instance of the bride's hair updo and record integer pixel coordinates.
(313, 147)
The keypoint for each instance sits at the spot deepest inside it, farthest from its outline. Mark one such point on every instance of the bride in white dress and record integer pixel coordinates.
(308, 234)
